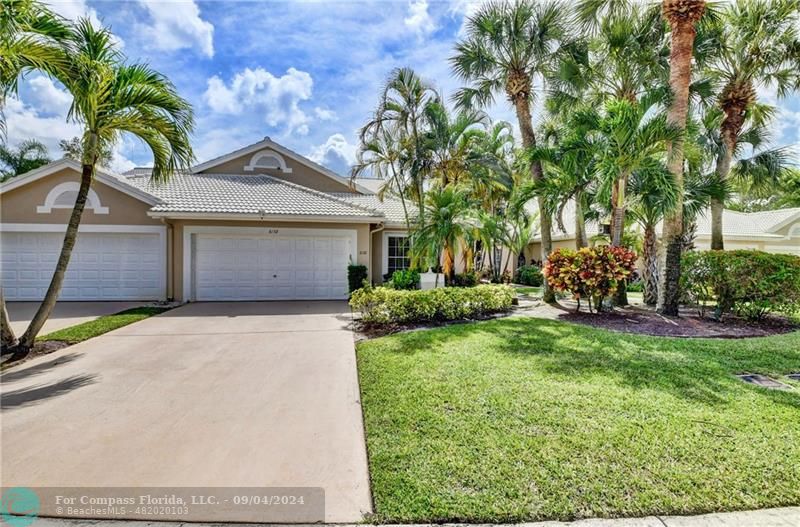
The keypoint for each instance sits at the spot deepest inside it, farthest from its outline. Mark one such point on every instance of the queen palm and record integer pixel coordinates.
(759, 46)
(112, 97)
(508, 47)
(682, 17)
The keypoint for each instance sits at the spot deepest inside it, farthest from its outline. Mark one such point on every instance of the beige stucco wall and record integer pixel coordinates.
(19, 205)
(175, 276)
(300, 174)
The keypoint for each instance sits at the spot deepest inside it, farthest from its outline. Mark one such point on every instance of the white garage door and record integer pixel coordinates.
(104, 266)
(271, 267)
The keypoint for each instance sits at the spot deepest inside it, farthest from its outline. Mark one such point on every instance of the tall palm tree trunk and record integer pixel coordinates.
(50, 298)
(617, 229)
(8, 340)
(581, 239)
(523, 109)
(681, 15)
(650, 262)
(724, 160)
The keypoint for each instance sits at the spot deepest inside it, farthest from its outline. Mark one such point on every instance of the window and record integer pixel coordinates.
(397, 254)
(63, 196)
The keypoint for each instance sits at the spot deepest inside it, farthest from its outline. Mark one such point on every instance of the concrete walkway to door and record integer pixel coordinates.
(206, 395)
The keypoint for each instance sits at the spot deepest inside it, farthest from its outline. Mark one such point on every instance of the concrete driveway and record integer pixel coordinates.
(65, 314)
(208, 394)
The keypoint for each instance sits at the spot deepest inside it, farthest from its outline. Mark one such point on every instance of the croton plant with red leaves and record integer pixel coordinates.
(593, 273)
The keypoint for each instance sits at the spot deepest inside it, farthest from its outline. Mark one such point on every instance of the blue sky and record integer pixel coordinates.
(305, 73)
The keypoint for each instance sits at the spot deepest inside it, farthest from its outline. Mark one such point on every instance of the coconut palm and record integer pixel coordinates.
(759, 47)
(31, 38)
(110, 98)
(508, 48)
(28, 155)
(682, 17)
(447, 222)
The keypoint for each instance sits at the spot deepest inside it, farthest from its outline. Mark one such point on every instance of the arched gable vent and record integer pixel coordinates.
(267, 159)
(63, 196)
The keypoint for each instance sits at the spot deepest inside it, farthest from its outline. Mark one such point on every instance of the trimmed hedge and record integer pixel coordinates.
(748, 283)
(381, 305)
(529, 275)
(356, 274)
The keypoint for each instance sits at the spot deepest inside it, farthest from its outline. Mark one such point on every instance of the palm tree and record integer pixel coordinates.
(112, 97)
(759, 46)
(682, 17)
(509, 46)
(31, 38)
(29, 155)
(447, 222)
(402, 109)
(381, 155)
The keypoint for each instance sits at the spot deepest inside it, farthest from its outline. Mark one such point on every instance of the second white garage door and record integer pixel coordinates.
(272, 266)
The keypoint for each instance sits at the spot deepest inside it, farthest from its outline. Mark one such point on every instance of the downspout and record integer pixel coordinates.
(170, 258)
(369, 255)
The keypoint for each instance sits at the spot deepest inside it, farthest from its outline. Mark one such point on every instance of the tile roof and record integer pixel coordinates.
(747, 223)
(246, 194)
(391, 208)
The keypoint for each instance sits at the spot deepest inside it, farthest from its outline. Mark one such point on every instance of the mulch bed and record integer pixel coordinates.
(644, 320)
(40, 348)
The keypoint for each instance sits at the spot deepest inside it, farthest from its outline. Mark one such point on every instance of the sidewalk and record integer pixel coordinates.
(783, 517)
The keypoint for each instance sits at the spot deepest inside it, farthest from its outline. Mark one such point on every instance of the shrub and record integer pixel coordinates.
(529, 275)
(591, 272)
(382, 305)
(747, 283)
(635, 287)
(405, 279)
(356, 274)
(469, 279)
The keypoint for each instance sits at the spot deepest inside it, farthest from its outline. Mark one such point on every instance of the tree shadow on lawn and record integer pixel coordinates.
(700, 370)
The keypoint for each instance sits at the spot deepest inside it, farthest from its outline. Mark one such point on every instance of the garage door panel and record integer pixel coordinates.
(270, 267)
(103, 266)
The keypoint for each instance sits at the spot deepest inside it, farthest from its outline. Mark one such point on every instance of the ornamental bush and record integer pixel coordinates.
(592, 273)
(468, 279)
(382, 305)
(356, 274)
(744, 282)
(529, 275)
(405, 279)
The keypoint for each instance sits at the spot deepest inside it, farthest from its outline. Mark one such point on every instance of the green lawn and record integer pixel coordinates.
(526, 419)
(104, 324)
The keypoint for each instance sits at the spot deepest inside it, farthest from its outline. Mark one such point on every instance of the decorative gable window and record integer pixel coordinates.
(267, 159)
(63, 196)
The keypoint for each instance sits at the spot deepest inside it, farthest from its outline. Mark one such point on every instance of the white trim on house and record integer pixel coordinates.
(791, 219)
(261, 154)
(99, 175)
(161, 230)
(188, 293)
(269, 144)
(385, 247)
(92, 199)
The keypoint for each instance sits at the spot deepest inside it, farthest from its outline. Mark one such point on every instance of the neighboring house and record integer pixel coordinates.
(260, 223)
(775, 231)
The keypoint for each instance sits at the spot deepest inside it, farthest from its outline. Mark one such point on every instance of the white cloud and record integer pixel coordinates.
(47, 97)
(418, 19)
(324, 114)
(178, 25)
(259, 90)
(75, 9)
(335, 153)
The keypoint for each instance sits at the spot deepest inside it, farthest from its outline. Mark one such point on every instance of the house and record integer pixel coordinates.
(259, 223)
(775, 231)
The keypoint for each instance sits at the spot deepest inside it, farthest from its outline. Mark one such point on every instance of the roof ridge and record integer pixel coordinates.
(323, 195)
